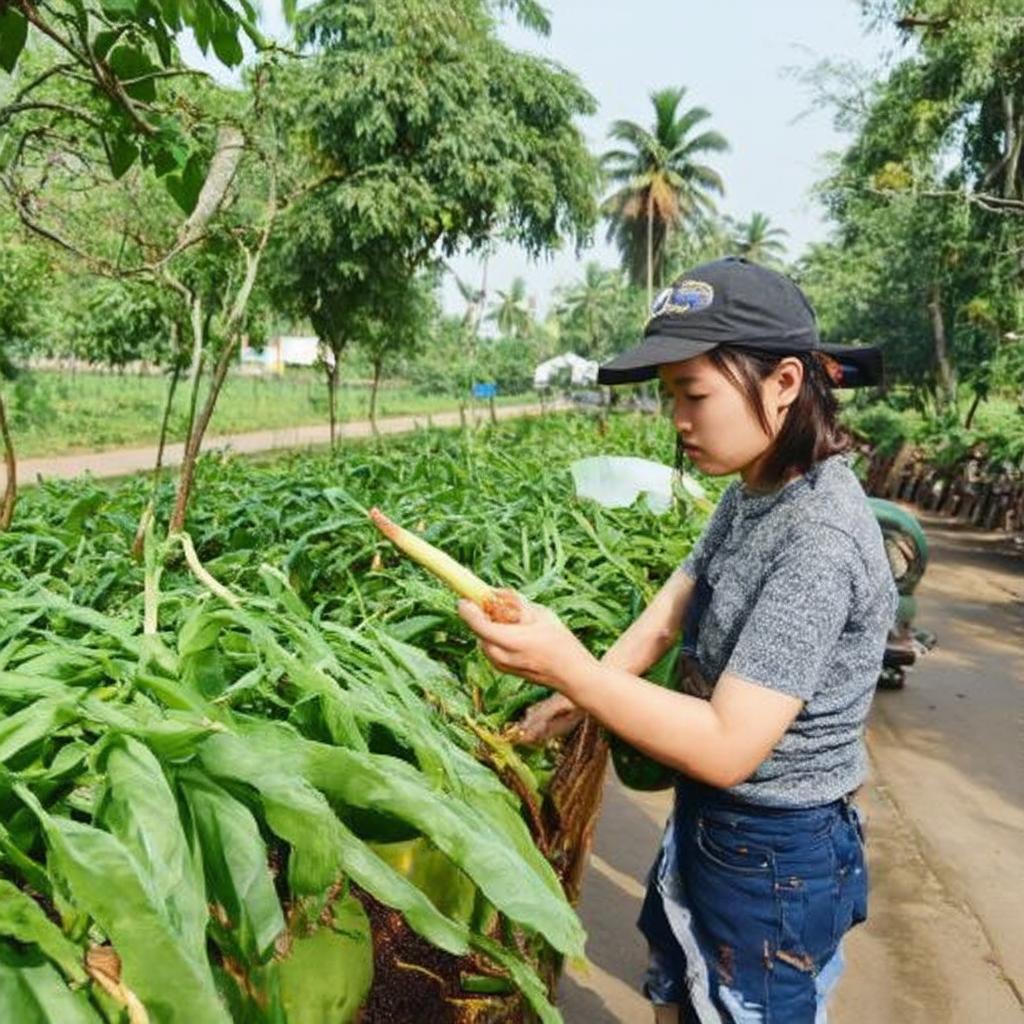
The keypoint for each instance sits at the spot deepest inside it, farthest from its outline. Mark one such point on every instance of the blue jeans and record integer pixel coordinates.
(746, 908)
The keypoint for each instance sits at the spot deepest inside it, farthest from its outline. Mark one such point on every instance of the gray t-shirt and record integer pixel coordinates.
(801, 598)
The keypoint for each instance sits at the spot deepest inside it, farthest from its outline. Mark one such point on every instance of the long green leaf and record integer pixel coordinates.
(327, 975)
(21, 918)
(32, 992)
(387, 784)
(235, 864)
(32, 723)
(21, 687)
(300, 815)
(13, 33)
(106, 881)
(140, 810)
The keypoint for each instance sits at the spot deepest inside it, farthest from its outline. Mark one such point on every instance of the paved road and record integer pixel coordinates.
(122, 461)
(945, 811)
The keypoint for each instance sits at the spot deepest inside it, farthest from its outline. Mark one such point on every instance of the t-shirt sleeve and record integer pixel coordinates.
(712, 535)
(800, 613)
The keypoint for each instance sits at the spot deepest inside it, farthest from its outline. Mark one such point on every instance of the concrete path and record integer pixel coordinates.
(122, 461)
(945, 821)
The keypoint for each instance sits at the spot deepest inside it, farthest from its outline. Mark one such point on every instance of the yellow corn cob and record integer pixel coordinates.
(499, 605)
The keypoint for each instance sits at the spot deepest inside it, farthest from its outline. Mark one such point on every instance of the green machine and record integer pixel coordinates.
(907, 549)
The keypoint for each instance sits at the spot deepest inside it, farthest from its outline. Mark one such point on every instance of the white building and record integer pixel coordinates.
(582, 372)
(285, 350)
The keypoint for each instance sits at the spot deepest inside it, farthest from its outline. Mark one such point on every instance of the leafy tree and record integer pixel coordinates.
(891, 280)
(600, 315)
(760, 241)
(512, 312)
(396, 324)
(927, 198)
(98, 108)
(110, 73)
(661, 185)
(431, 136)
(959, 92)
(123, 322)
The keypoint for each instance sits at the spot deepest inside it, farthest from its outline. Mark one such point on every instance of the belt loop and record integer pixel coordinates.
(849, 808)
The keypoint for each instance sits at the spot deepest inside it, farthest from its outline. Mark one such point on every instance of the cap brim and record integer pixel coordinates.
(641, 363)
(862, 367)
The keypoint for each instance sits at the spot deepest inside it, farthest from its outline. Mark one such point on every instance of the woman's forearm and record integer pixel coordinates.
(635, 652)
(680, 731)
(655, 630)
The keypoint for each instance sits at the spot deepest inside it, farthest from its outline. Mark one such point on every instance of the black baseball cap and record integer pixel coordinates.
(732, 302)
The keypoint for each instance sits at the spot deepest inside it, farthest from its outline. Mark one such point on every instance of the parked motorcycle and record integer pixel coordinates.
(907, 549)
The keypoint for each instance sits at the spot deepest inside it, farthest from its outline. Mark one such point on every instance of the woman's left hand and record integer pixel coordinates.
(538, 647)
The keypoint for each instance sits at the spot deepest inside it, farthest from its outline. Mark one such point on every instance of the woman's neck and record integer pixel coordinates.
(752, 474)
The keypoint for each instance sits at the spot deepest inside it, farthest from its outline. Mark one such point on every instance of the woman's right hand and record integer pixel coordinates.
(554, 716)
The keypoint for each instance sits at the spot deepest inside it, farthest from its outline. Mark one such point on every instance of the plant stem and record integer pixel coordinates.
(201, 573)
(11, 464)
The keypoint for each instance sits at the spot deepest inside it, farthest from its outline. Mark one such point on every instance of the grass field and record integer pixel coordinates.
(56, 413)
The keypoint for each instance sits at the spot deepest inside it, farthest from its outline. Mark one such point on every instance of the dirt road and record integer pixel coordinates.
(122, 461)
(945, 820)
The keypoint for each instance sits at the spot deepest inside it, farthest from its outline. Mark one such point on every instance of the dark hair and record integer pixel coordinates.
(811, 431)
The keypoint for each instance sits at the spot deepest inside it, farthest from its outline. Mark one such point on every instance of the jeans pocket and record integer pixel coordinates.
(851, 876)
(727, 848)
(806, 915)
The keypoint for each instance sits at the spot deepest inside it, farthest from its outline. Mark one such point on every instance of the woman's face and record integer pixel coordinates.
(721, 434)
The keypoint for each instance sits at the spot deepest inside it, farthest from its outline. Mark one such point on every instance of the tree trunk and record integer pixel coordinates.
(650, 249)
(175, 377)
(332, 398)
(973, 409)
(233, 331)
(947, 379)
(199, 326)
(226, 157)
(494, 414)
(147, 512)
(195, 441)
(377, 367)
(11, 490)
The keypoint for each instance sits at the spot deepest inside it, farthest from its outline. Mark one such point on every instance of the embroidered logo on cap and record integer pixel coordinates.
(683, 297)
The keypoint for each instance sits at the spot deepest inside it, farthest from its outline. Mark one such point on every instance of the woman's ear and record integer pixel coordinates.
(787, 379)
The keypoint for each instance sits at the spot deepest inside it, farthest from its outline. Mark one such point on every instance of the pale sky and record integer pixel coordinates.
(731, 56)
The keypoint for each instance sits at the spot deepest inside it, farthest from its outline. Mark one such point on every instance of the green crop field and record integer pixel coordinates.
(207, 754)
(55, 413)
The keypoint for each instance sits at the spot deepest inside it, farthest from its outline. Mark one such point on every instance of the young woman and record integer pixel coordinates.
(783, 605)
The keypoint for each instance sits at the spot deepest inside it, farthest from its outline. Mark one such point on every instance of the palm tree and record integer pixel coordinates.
(586, 309)
(661, 183)
(474, 299)
(759, 241)
(513, 311)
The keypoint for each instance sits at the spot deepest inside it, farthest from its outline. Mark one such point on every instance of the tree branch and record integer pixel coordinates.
(168, 73)
(38, 81)
(303, 190)
(17, 108)
(983, 200)
(28, 9)
(252, 260)
(912, 22)
(97, 266)
(230, 146)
